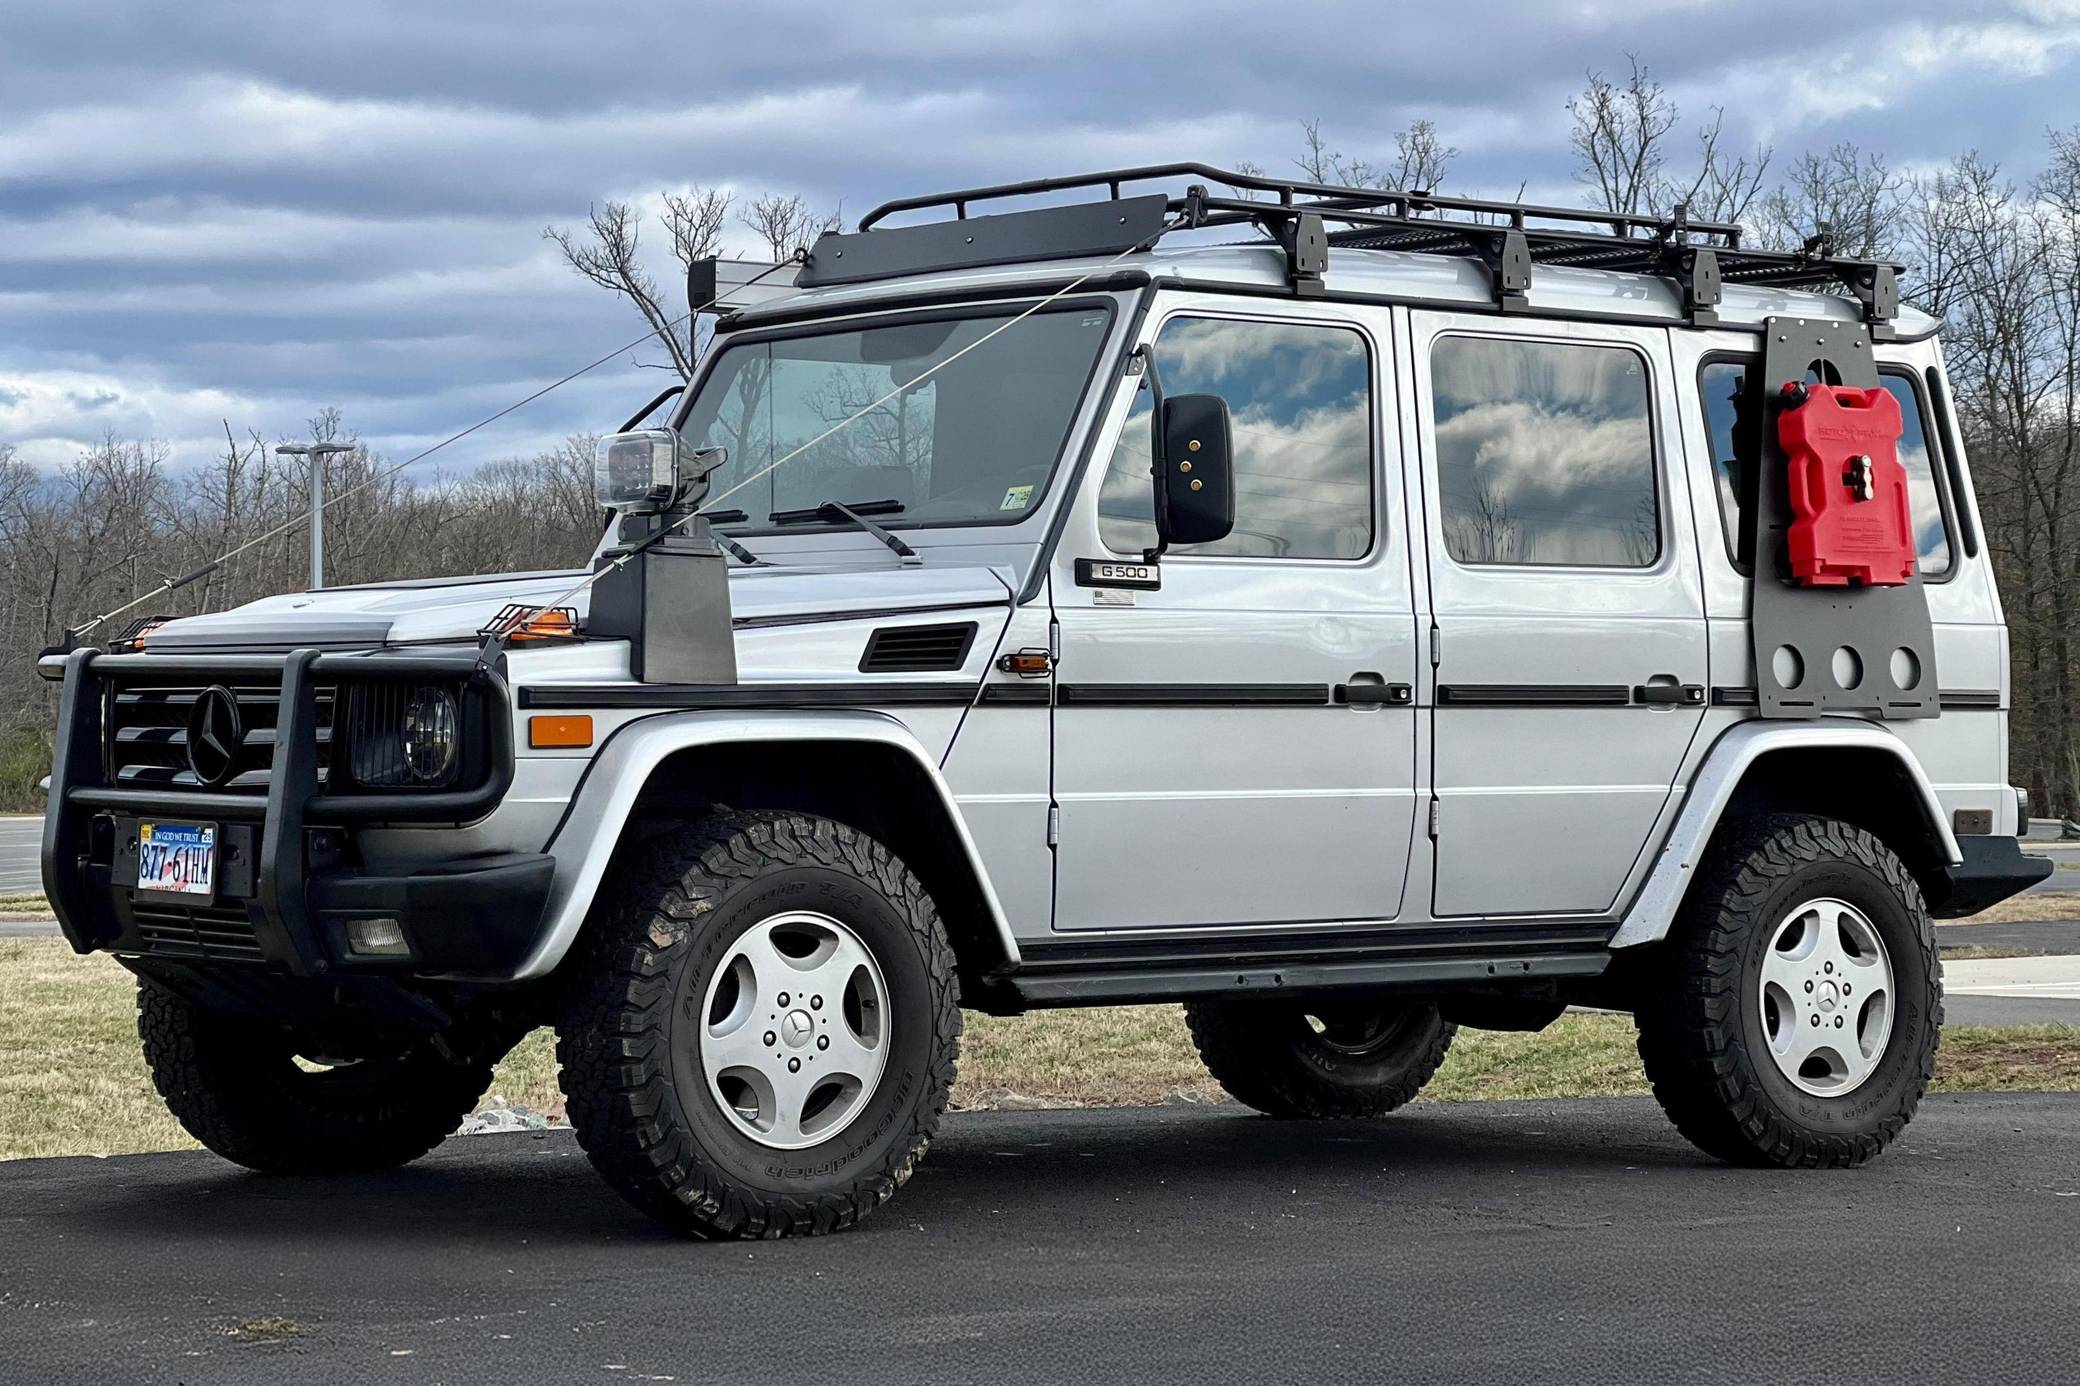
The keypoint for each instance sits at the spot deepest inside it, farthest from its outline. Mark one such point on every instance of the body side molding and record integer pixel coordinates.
(584, 841)
(1712, 787)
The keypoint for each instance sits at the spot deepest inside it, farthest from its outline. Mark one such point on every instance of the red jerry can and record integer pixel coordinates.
(1851, 522)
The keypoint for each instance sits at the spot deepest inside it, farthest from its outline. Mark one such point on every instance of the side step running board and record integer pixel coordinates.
(1085, 974)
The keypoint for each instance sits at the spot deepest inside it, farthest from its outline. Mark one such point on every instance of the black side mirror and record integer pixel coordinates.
(1195, 470)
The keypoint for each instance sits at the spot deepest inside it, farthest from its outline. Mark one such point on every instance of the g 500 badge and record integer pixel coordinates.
(1104, 572)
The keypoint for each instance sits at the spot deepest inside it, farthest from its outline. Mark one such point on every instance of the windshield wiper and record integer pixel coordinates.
(732, 516)
(857, 514)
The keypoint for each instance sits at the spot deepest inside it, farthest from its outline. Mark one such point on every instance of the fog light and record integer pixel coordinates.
(377, 937)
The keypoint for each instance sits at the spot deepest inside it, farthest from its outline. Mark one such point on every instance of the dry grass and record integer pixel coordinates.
(2033, 908)
(71, 1081)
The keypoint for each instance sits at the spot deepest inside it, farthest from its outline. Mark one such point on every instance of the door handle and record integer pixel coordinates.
(1668, 694)
(1375, 694)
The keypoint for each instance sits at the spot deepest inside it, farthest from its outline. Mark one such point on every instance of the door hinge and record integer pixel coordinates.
(1054, 824)
(1433, 818)
(1436, 647)
(1054, 641)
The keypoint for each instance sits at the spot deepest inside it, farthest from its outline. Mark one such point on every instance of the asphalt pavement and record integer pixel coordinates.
(1552, 1241)
(20, 841)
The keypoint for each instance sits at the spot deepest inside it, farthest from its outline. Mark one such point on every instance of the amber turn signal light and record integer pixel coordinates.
(546, 733)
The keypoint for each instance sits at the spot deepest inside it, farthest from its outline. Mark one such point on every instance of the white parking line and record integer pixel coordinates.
(2052, 978)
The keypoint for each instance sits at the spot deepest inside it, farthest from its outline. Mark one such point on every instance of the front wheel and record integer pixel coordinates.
(255, 1094)
(1796, 1020)
(762, 1035)
(1328, 1058)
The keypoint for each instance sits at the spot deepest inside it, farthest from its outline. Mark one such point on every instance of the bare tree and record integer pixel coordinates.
(786, 224)
(1726, 184)
(609, 259)
(695, 219)
(1617, 138)
(1620, 136)
(1848, 198)
(1420, 162)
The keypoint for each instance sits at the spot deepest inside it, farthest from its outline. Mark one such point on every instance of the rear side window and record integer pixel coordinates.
(1545, 453)
(1728, 408)
(1300, 400)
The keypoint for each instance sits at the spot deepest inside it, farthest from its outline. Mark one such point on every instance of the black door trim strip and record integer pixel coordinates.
(853, 693)
(1534, 695)
(1192, 694)
(1015, 694)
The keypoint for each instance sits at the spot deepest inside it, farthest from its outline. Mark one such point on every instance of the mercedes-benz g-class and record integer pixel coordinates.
(1352, 614)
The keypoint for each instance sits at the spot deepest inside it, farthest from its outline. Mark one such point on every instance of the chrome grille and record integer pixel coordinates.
(147, 740)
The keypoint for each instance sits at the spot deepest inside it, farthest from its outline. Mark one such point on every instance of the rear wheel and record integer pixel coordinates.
(1351, 1058)
(1797, 1018)
(252, 1092)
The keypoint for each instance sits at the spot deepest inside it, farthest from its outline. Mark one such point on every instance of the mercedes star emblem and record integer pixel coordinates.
(214, 736)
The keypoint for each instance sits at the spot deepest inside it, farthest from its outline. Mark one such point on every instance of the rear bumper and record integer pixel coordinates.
(287, 888)
(1993, 869)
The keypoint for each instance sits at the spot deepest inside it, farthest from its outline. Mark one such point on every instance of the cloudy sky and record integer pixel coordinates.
(215, 211)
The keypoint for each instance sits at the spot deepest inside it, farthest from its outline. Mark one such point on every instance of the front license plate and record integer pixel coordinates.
(177, 858)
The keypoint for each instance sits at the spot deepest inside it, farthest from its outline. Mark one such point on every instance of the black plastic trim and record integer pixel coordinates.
(477, 916)
(1993, 869)
(1192, 694)
(1016, 694)
(1533, 695)
(877, 651)
(852, 693)
(1118, 971)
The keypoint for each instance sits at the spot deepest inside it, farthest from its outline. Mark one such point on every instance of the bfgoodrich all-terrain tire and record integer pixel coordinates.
(762, 1027)
(1795, 1018)
(1319, 1059)
(234, 1082)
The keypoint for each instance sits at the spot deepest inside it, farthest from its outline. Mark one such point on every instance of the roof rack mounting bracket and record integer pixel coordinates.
(1697, 271)
(1509, 261)
(1876, 286)
(1306, 244)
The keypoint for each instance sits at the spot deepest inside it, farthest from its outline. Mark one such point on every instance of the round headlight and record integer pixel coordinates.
(432, 735)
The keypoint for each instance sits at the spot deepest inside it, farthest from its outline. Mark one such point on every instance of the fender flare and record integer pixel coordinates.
(1654, 909)
(584, 842)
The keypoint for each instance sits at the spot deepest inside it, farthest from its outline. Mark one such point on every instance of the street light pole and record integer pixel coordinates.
(317, 453)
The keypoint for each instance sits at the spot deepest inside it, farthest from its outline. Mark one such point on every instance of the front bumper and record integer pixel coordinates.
(287, 884)
(1993, 869)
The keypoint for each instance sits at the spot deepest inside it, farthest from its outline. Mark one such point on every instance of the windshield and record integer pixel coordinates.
(972, 444)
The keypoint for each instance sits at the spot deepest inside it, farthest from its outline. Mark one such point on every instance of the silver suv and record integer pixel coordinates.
(1351, 614)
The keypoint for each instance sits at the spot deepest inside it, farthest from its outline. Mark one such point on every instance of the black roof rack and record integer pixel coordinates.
(1511, 238)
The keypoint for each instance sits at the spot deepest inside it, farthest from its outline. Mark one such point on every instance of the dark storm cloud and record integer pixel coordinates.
(250, 211)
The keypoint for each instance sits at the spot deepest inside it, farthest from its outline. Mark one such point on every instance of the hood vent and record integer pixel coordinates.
(917, 649)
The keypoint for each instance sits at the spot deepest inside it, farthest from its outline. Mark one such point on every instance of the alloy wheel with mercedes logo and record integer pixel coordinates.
(215, 735)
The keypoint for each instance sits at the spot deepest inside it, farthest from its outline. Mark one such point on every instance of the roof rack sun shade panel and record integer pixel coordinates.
(1045, 233)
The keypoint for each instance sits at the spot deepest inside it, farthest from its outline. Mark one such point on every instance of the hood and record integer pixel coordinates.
(436, 609)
